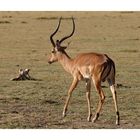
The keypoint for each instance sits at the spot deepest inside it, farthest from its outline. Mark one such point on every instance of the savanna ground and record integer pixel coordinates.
(24, 43)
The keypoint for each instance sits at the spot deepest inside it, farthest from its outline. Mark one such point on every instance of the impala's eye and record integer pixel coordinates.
(53, 51)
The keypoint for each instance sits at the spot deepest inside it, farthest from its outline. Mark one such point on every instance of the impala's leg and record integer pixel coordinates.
(101, 98)
(88, 87)
(114, 94)
(72, 87)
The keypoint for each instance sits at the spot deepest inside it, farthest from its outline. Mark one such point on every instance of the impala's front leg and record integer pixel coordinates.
(72, 87)
(88, 87)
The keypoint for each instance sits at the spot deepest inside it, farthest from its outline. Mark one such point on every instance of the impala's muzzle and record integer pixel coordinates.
(50, 62)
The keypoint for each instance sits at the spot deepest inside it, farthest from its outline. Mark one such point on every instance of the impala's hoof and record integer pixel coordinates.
(89, 118)
(95, 118)
(117, 118)
(64, 114)
(117, 122)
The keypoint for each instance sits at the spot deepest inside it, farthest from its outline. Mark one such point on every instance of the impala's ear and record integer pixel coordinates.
(59, 48)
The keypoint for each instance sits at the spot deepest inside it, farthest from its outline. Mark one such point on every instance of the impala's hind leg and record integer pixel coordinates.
(88, 87)
(101, 98)
(114, 94)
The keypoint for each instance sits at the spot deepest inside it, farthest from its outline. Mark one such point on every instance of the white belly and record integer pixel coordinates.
(86, 72)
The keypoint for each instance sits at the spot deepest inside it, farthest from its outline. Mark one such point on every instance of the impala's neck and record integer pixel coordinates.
(65, 61)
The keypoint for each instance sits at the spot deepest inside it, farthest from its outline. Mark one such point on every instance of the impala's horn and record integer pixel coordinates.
(66, 37)
(51, 37)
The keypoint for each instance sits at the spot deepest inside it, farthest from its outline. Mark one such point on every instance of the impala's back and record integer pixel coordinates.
(90, 65)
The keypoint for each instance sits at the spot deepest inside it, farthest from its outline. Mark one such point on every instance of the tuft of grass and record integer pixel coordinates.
(129, 51)
(5, 22)
(6, 16)
(46, 18)
(24, 22)
(52, 18)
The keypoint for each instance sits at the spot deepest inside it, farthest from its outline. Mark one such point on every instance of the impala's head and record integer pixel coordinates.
(57, 48)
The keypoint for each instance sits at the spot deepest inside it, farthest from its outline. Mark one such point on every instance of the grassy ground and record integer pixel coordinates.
(24, 43)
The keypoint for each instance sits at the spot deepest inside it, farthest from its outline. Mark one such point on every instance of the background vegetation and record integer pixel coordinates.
(24, 43)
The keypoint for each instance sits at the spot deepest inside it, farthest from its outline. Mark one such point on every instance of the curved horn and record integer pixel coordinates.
(51, 37)
(66, 37)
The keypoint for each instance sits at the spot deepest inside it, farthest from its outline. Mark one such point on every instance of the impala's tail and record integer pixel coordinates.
(109, 70)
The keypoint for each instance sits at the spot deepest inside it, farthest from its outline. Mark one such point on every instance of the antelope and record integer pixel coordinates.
(89, 67)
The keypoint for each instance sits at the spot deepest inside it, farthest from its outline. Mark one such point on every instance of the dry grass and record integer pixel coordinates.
(24, 43)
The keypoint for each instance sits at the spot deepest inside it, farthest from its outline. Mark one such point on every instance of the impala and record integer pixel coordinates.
(88, 67)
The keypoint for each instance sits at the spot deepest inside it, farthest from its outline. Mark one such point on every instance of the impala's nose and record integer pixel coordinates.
(49, 62)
